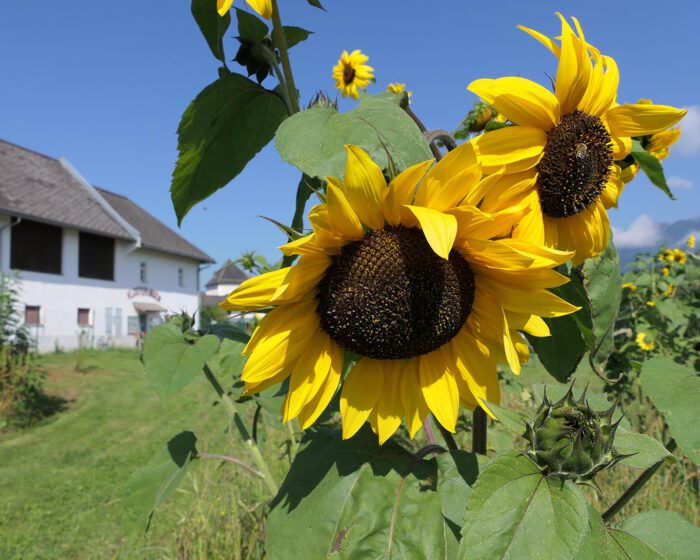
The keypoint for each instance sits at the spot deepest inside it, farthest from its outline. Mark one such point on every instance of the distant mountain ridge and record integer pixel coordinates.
(673, 234)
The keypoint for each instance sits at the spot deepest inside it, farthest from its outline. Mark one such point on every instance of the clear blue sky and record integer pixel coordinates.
(104, 84)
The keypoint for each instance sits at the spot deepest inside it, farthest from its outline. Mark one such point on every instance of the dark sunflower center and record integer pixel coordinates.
(389, 296)
(348, 74)
(575, 166)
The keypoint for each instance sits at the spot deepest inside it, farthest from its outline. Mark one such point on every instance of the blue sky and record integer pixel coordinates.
(104, 84)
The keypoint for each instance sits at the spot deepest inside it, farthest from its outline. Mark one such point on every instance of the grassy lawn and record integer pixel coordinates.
(62, 483)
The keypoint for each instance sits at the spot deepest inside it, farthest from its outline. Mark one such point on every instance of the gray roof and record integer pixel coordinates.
(38, 187)
(227, 274)
(41, 188)
(154, 234)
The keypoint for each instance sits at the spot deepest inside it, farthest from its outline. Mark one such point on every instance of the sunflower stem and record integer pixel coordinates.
(448, 437)
(281, 43)
(636, 486)
(429, 433)
(236, 420)
(479, 431)
(433, 147)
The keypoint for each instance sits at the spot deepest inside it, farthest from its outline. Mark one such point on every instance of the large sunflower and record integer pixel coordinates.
(559, 155)
(416, 285)
(351, 74)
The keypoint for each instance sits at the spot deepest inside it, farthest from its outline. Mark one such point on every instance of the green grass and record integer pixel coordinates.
(63, 482)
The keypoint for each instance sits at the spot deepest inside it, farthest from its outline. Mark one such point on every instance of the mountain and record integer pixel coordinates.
(673, 234)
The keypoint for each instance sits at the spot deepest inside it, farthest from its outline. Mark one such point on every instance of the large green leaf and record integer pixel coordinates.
(515, 512)
(652, 167)
(211, 25)
(355, 499)
(172, 361)
(645, 451)
(602, 282)
(314, 140)
(229, 122)
(675, 391)
(665, 533)
(152, 484)
(295, 35)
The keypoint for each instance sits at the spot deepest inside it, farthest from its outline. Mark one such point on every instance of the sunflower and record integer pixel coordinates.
(631, 286)
(399, 88)
(690, 242)
(559, 155)
(263, 7)
(351, 74)
(645, 342)
(416, 285)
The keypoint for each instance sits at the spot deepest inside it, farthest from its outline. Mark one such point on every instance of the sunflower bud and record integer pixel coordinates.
(570, 440)
(321, 99)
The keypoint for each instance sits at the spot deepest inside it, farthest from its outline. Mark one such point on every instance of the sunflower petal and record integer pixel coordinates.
(546, 41)
(401, 191)
(302, 278)
(364, 184)
(389, 407)
(516, 147)
(318, 403)
(263, 7)
(223, 6)
(474, 365)
(573, 72)
(439, 388)
(360, 394)
(256, 292)
(642, 119)
(440, 229)
(414, 405)
(341, 215)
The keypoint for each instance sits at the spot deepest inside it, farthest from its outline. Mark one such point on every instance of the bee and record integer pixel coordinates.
(580, 151)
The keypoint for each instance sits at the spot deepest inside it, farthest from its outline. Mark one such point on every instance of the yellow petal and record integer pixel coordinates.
(516, 147)
(440, 229)
(401, 191)
(256, 292)
(282, 318)
(445, 196)
(621, 147)
(642, 119)
(462, 157)
(360, 394)
(531, 226)
(573, 72)
(531, 324)
(302, 278)
(546, 41)
(602, 93)
(223, 6)
(535, 302)
(318, 403)
(341, 215)
(414, 405)
(263, 7)
(473, 363)
(439, 388)
(520, 100)
(389, 408)
(364, 184)
(301, 246)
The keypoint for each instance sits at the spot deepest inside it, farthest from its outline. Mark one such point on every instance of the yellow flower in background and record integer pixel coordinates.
(665, 271)
(263, 7)
(420, 284)
(677, 255)
(559, 157)
(629, 286)
(351, 74)
(651, 303)
(691, 242)
(668, 292)
(399, 88)
(658, 144)
(645, 342)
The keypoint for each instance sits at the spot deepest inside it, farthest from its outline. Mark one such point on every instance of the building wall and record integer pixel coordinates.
(114, 319)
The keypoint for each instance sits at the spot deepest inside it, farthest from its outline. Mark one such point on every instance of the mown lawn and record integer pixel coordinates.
(62, 483)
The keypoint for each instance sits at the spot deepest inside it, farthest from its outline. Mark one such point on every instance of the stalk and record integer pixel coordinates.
(281, 43)
(243, 431)
(479, 431)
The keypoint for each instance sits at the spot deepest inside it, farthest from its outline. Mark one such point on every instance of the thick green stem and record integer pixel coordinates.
(636, 486)
(243, 431)
(281, 43)
(479, 431)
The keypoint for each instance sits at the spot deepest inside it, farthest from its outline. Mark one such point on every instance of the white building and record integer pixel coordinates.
(93, 265)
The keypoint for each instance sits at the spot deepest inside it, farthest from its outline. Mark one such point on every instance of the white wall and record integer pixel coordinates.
(221, 289)
(60, 296)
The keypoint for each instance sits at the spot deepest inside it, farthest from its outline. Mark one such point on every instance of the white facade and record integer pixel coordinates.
(119, 309)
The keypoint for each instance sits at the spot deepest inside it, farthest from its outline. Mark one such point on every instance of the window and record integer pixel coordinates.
(143, 271)
(32, 315)
(83, 317)
(180, 277)
(96, 257)
(36, 247)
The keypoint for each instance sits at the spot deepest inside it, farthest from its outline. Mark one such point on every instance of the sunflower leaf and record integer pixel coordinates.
(229, 122)
(355, 498)
(314, 140)
(675, 391)
(657, 534)
(316, 4)
(212, 26)
(651, 165)
(513, 507)
(295, 35)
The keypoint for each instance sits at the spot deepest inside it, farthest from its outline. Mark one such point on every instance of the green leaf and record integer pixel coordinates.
(229, 122)
(661, 534)
(515, 512)
(512, 420)
(675, 391)
(152, 484)
(316, 4)
(295, 35)
(652, 167)
(647, 451)
(357, 499)
(594, 546)
(602, 282)
(314, 140)
(250, 28)
(212, 25)
(172, 361)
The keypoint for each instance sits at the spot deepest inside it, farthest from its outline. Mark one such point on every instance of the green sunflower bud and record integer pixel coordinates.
(321, 99)
(570, 440)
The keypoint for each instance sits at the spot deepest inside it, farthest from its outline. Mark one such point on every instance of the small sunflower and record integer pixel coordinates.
(691, 241)
(645, 342)
(665, 271)
(351, 74)
(415, 283)
(263, 7)
(629, 286)
(399, 88)
(559, 158)
(668, 292)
